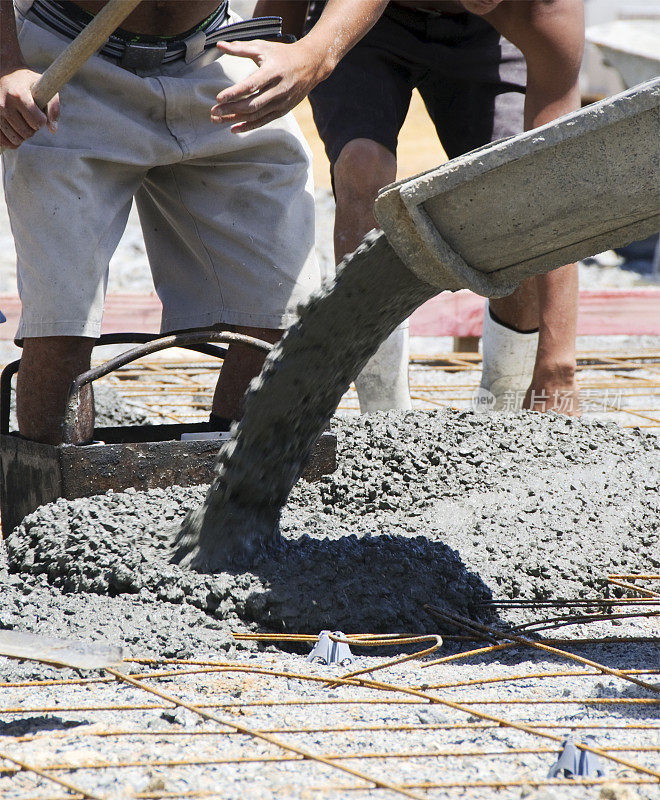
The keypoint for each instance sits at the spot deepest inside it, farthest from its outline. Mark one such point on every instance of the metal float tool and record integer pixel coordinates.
(59, 652)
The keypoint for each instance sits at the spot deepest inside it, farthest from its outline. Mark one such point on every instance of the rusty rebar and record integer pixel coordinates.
(487, 629)
(302, 752)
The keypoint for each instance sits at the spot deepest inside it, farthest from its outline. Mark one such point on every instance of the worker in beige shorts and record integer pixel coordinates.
(227, 212)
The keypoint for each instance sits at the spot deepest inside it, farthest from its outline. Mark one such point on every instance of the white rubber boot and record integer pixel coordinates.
(383, 383)
(507, 363)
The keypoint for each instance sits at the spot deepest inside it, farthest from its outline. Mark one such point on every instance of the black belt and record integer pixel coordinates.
(142, 52)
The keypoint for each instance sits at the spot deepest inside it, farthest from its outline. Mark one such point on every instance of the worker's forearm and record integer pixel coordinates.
(293, 13)
(542, 107)
(11, 57)
(287, 73)
(341, 25)
(550, 34)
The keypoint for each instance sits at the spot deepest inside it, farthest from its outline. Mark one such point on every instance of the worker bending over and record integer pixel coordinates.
(226, 209)
(485, 69)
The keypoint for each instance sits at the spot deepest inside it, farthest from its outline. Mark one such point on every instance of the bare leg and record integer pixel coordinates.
(48, 367)
(239, 367)
(555, 368)
(520, 309)
(361, 171)
(548, 302)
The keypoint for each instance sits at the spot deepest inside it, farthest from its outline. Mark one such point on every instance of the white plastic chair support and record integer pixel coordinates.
(330, 652)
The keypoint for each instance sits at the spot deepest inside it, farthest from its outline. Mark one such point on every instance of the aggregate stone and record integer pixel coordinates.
(537, 506)
(63, 738)
(111, 409)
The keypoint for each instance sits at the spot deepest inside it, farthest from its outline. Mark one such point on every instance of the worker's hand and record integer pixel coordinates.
(286, 75)
(20, 117)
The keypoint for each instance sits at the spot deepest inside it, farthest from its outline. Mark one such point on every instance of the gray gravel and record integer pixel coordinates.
(448, 507)
(173, 734)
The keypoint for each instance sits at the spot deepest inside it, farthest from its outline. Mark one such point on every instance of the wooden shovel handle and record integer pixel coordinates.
(81, 48)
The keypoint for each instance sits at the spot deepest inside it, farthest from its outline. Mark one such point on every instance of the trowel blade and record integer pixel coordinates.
(59, 652)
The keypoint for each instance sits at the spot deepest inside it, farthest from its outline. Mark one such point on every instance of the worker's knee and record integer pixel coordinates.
(361, 171)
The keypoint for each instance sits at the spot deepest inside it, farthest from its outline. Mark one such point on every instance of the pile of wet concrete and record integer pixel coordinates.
(449, 508)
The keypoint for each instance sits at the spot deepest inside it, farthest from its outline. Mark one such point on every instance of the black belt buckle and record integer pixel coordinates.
(143, 57)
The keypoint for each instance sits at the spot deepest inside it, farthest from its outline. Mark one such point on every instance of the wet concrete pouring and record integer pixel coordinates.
(288, 405)
(447, 507)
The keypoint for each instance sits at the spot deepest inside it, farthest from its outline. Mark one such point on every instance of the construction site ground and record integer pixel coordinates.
(267, 726)
(213, 708)
(619, 379)
(216, 698)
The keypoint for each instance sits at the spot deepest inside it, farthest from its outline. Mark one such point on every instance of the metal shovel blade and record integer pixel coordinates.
(59, 652)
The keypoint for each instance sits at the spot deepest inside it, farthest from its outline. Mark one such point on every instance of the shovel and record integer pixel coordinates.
(59, 652)
(81, 48)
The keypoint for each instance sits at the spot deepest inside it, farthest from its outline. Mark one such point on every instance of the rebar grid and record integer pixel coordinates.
(333, 759)
(428, 785)
(212, 669)
(531, 701)
(627, 582)
(492, 633)
(624, 385)
(197, 762)
(437, 726)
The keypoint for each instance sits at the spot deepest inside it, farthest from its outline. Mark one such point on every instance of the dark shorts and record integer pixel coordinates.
(471, 79)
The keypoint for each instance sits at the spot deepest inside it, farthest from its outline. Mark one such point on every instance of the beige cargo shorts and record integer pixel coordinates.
(228, 220)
